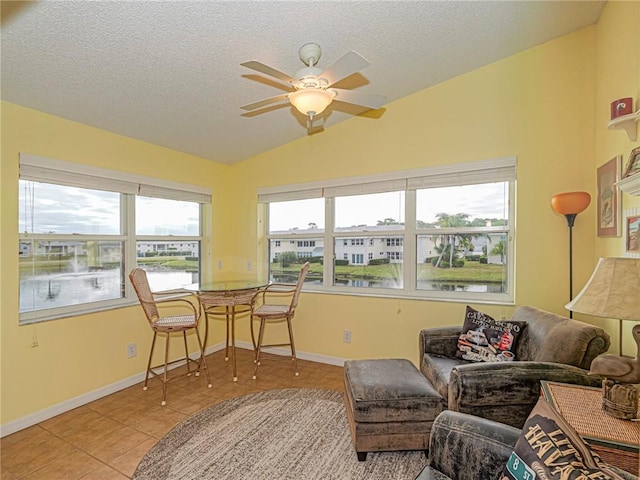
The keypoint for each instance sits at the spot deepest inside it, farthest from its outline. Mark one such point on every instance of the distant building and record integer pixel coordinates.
(361, 250)
(90, 253)
(189, 249)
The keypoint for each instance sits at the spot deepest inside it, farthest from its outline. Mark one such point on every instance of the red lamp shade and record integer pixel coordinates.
(570, 203)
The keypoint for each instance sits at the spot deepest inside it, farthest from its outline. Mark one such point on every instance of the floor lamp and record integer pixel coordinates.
(570, 204)
(613, 291)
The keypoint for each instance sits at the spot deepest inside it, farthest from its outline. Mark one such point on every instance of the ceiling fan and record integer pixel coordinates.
(310, 86)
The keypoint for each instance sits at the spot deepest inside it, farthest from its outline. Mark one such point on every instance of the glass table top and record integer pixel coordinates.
(226, 285)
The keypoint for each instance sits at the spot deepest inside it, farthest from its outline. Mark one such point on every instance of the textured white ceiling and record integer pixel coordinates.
(169, 72)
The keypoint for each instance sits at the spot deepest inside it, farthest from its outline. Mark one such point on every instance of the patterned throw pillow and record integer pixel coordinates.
(549, 448)
(484, 339)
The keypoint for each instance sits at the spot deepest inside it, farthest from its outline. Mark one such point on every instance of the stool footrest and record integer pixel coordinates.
(390, 405)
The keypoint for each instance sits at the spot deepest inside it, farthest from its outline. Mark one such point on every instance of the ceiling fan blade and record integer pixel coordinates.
(265, 102)
(349, 64)
(369, 100)
(262, 68)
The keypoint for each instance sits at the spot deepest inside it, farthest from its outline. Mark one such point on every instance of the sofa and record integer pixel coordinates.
(466, 447)
(551, 347)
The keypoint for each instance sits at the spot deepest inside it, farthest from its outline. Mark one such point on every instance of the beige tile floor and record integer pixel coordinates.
(105, 439)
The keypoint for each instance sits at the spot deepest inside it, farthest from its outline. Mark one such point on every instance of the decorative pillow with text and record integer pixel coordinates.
(549, 448)
(484, 339)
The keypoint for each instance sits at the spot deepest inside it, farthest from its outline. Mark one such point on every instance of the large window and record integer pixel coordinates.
(461, 243)
(304, 221)
(168, 241)
(83, 229)
(71, 246)
(368, 221)
(442, 232)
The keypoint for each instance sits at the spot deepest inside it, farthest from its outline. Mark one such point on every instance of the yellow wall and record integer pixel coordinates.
(617, 76)
(79, 354)
(547, 106)
(537, 105)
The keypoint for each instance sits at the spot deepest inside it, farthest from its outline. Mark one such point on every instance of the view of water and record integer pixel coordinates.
(72, 288)
(393, 283)
(59, 290)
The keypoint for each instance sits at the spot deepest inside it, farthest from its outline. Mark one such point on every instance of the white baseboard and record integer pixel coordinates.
(49, 412)
(312, 357)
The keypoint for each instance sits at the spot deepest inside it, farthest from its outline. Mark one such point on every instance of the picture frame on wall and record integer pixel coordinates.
(633, 165)
(609, 213)
(632, 233)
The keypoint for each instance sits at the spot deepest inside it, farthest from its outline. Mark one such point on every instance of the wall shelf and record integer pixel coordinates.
(628, 123)
(630, 185)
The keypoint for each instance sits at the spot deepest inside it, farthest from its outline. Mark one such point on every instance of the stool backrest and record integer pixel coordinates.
(140, 284)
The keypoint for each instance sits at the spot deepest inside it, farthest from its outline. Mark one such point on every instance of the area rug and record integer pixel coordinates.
(280, 434)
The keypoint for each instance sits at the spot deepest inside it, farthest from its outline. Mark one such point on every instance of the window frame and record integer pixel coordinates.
(467, 173)
(64, 173)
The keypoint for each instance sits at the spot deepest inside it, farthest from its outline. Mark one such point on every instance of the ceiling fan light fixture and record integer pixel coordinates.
(310, 89)
(311, 101)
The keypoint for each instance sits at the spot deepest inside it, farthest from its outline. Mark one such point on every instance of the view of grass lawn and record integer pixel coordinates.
(472, 272)
(176, 263)
(63, 265)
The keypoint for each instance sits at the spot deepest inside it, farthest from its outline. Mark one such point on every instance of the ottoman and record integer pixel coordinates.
(390, 405)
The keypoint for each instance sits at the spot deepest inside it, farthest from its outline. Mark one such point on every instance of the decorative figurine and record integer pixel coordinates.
(619, 395)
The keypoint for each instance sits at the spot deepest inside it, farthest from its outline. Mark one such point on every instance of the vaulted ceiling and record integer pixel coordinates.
(169, 72)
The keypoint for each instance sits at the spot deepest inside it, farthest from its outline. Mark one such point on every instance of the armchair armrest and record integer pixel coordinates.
(506, 392)
(464, 447)
(439, 341)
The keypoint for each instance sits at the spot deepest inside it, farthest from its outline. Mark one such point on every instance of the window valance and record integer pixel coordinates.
(49, 170)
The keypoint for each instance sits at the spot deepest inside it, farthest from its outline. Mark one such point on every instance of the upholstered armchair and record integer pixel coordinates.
(465, 447)
(551, 347)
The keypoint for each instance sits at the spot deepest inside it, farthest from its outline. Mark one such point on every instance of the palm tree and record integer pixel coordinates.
(500, 248)
(448, 241)
(443, 249)
(388, 221)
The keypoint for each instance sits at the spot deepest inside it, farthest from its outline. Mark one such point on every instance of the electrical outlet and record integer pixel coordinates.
(346, 336)
(219, 264)
(132, 350)
(249, 266)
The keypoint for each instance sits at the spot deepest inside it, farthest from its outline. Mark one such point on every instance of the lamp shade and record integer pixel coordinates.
(311, 101)
(613, 291)
(570, 203)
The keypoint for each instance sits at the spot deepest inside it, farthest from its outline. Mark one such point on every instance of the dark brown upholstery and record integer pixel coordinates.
(557, 339)
(465, 447)
(551, 347)
(390, 405)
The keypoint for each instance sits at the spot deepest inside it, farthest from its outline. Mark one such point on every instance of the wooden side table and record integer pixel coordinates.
(616, 441)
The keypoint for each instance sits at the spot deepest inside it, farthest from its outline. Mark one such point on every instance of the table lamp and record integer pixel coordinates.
(613, 291)
(570, 204)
